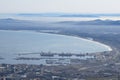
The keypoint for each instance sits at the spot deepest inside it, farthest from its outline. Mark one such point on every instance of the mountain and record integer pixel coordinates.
(96, 26)
(14, 24)
(66, 15)
(94, 22)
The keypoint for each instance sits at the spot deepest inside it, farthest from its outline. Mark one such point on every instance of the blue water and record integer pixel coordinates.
(14, 42)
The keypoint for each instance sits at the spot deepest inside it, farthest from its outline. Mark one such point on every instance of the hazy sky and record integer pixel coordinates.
(67, 6)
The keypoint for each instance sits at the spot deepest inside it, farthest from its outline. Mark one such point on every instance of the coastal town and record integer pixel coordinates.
(66, 66)
(100, 67)
(97, 66)
(90, 69)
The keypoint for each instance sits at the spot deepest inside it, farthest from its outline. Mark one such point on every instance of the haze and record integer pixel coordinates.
(66, 6)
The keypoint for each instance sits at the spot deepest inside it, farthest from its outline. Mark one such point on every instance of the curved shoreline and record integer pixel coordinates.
(77, 37)
(99, 43)
(85, 39)
(107, 46)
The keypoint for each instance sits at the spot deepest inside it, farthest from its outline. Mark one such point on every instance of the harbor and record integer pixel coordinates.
(53, 58)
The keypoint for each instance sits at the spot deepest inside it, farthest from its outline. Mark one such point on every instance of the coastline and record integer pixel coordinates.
(99, 43)
(102, 44)
(85, 39)
(77, 37)
(108, 48)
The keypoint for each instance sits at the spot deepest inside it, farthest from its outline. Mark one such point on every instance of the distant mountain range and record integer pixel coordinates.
(14, 24)
(59, 15)
(66, 15)
(96, 26)
(94, 22)
(90, 22)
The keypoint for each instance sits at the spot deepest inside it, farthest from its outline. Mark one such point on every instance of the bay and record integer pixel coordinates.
(14, 42)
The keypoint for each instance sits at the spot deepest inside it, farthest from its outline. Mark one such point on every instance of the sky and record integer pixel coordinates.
(63, 6)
